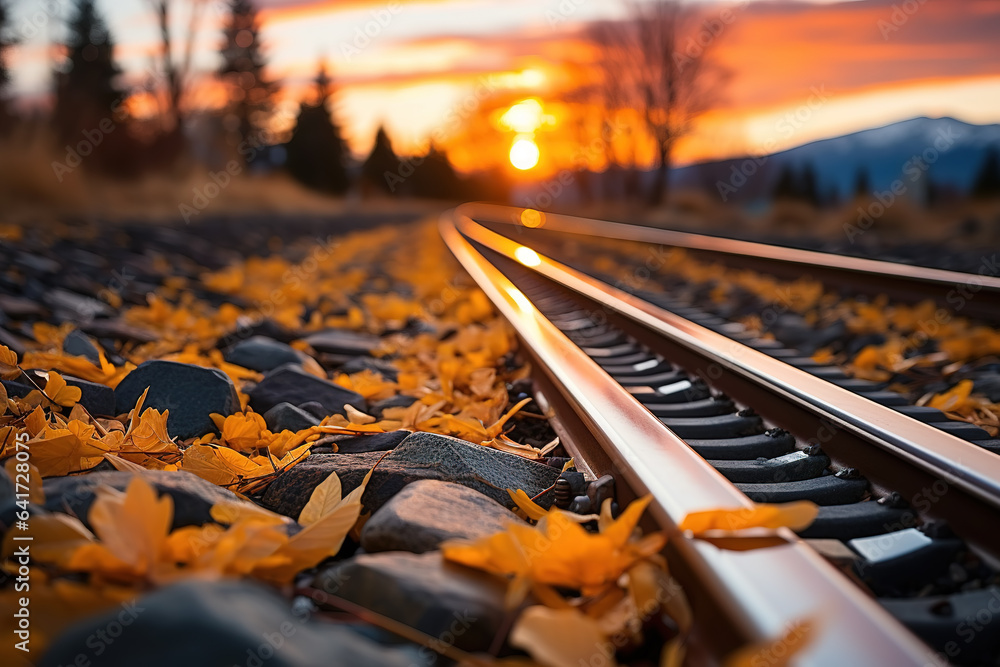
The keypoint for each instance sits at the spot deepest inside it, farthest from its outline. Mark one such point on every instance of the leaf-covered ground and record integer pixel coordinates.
(442, 362)
(937, 357)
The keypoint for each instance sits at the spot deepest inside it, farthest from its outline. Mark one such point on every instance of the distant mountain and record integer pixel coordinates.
(947, 150)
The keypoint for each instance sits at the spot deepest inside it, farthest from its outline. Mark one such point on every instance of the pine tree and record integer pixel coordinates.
(380, 172)
(435, 178)
(862, 184)
(808, 189)
(243, 63)
(86, 90)
(787, 186)
(987, 183)
(316, 152)
(5, 44)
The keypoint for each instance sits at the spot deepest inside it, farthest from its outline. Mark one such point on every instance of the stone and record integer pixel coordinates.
(262, 354)
(375, 442)
(428, 512)
(119, 330)
(418, 456)
(291, 384)
(193, 496)
(458, 605)
(315, 409)
(397, 401)
(219, 623)
(98, 399)
(191, 393)
(79, 344)
(343, 342)
(380, 366)
(285, 416)
(75, 306)
(15, 343)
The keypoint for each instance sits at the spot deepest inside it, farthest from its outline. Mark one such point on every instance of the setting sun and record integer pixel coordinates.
(524, 154)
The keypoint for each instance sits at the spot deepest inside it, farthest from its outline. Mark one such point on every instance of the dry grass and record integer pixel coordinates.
(30, 192)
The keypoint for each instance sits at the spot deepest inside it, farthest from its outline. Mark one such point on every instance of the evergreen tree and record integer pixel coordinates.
(787, 186)
(316, 152)
(86, 91)
(987, 183)
(435, 178)
(243, 63)
(5, 44)
(862, 184)
(808, 190)
(380, 172)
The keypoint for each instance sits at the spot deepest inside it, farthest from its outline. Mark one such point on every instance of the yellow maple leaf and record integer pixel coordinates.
(242, 431)
(8, 363)
(562, 637)
(560, 552)
(58, 452)
(133, 526)
(795, 515)
(150, 433)
(324, 499)
(220, 465)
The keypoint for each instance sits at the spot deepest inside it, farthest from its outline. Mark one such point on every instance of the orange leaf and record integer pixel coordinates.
(795, 515)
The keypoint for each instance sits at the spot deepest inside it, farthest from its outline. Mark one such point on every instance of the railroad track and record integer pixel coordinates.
(899, 567)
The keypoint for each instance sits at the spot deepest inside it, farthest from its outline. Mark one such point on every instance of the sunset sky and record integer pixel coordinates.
(836, 67)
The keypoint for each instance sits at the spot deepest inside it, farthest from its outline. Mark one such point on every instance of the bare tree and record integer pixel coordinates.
(176, 70)
(654, 62)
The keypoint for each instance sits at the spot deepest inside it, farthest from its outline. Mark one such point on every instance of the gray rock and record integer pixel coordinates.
(343, 342)
(15, 343)
(375, 442)
(315, 409)
(291, 384)
(426, 513)
(79, 344)
(419, 456)
(397, 401)
(99, 399)
(458, 605)
(286, 416)
(260, 353)
(219, 623)
(380, 366)
(193, 497)
(191, 393)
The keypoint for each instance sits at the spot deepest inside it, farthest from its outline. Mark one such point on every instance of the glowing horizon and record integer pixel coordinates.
(418, 64)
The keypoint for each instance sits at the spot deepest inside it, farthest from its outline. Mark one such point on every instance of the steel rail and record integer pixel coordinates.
(749, 595)
(971, 294)
(891, 449)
